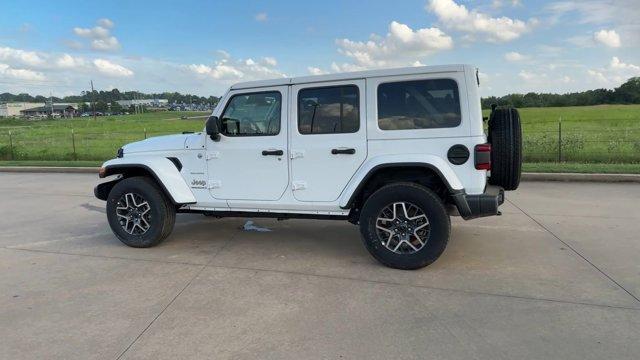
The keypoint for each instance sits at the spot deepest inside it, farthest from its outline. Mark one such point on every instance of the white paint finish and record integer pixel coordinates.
(375, 160)
(194, 141)
(165, 171)
(434, 151)
(324, 174)
(237, 165)
(157, 143)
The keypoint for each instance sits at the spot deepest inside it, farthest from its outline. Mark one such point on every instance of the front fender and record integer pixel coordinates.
(163, 170)
(433, 162)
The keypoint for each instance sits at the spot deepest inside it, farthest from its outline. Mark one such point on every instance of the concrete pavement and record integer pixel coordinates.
(556, 276)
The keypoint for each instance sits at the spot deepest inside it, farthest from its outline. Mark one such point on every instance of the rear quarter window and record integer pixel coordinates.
(419, 104)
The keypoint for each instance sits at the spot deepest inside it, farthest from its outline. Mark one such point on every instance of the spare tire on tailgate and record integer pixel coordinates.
(505, 136)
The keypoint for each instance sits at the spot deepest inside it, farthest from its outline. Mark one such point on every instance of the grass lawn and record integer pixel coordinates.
(51, 163)
(602, 133)
(92, 139)
(581, 168)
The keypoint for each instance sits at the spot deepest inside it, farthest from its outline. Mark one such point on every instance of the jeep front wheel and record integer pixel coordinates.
(405, 226)
(139, 213)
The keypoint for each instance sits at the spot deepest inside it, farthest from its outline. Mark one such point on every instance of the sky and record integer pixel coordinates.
(202, 47)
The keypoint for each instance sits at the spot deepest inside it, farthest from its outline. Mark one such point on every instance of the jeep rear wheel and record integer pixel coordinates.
(139, 213)
(405, 226)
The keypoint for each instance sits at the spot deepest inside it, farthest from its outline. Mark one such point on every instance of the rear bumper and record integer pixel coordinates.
(475, 206)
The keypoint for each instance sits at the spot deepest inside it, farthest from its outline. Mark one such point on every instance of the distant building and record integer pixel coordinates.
(143, 102)
(57, 110)
(14, 108)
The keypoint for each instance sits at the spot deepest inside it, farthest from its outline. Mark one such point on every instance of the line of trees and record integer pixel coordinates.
(111, 96)
(627, 93)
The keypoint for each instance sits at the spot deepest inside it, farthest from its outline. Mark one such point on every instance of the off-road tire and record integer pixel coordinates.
(428, 202)
(505, 136)
(162, 212)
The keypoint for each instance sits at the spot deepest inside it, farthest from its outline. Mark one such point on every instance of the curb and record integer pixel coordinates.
(574, 177)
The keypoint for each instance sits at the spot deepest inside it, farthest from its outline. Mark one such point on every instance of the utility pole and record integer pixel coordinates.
(93, 102)
(51, 102)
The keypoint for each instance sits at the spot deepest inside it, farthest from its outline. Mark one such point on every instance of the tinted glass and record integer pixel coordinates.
(423, 104)
(252, 114)
(328, 110)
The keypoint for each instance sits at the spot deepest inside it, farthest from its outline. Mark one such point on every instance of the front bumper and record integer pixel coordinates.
(475, 206)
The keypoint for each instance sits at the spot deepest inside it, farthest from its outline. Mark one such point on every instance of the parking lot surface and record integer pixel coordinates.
(556, 277)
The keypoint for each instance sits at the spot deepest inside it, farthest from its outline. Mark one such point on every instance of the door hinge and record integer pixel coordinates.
(298, 185)
(296, 154)
(215, 184)
(213, 155)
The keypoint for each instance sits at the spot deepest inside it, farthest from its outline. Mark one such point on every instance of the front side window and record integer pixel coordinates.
(252, 114)
(329, 110)
(423, 104)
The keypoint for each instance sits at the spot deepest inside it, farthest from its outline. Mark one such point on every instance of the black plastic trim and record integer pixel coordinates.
(113, 169)
(481, 205)
(388, 165)
(263, 214)
(176, 162)
(458, 154)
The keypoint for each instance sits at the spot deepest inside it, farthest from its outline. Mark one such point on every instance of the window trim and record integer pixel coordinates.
(377, 107)
(328, 87)
(226, 105)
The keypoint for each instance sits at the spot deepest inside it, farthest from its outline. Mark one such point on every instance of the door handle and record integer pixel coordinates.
(272, 152)
(343, 151)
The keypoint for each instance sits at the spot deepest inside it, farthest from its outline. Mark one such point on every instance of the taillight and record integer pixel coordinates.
(483, 156)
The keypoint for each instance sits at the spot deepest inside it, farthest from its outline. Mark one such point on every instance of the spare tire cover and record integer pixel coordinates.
(505, 136)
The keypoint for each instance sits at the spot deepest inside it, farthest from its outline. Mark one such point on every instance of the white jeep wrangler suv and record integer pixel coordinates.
(393, 151)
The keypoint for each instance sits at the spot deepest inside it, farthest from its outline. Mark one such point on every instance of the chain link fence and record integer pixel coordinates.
(621, 145)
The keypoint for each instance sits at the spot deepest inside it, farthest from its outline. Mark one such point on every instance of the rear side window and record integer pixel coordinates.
(328, 110)
(422, 104)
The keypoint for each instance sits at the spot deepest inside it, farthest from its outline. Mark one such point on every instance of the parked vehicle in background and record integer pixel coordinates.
(394, 151)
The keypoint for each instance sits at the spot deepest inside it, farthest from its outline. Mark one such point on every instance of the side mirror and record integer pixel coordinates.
(212, 128)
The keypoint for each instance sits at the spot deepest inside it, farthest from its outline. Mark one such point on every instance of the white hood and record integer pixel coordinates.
(158, 143)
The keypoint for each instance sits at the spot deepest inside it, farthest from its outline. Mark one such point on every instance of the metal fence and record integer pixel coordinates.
(618, 145)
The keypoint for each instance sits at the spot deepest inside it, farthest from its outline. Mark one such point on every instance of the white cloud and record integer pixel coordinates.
(458, 17)
(19, 74)
(514, 56)
(100, 36)
(106, 23)
(401, 46)
(97, 32)
(22, 57)
(231, 69)
(616, 64)
(269, 61)
(527, 76)
(608, 38)
(615, 73)
(496, 4)
(598, 76)
(316, 71)
(111, 69)
(68, 61)
(622, 15)
(261, 17)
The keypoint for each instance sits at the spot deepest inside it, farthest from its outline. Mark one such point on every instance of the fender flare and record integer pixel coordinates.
(431, 162)
(163, 170)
